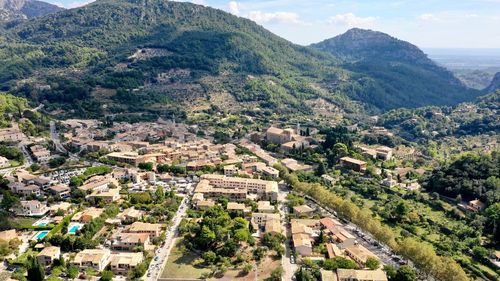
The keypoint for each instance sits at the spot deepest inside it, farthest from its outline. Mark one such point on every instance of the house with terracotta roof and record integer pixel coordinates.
(476, 205)
(47, 256)
(353, 164)
(61, 190)
(87, 215)
(26, 190)
(303, 210)
(361, 275)
(31, 208)
(359, 254)
(130, 241)
(152, 229)
(130, 214)
(259, 220)
(122, 263)
(108, 196)
(97, 259)
(265, 207)
(302, 244)
(273, 226)
(333, 251)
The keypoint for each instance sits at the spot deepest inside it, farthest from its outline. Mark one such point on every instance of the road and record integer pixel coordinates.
(55, 138)
(26, 154)
(158, 262)
(289, 268)
(57, 142)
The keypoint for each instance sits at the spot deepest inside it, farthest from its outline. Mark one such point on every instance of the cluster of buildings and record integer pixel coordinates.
(40, 153)
(339, 242)
(122, 250)
(381, 153)
(85, 132)
(236, 189)
(12, 134)
(288, 139)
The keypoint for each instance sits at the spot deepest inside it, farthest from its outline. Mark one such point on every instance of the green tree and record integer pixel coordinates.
(390, 271)
(9, 200)
(159, 194)
(320, 170)
(246, 268)
(107, 275)
(405, 273)
(35, 270)
(372, 263)
(259, 253)
(480, 253)
(276, 274)
(492, 214)
(209, 257)
(148, 166)
(72, 271)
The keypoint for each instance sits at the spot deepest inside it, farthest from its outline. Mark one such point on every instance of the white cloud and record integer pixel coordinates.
(233, 7)
(277, 17)
(351, 20)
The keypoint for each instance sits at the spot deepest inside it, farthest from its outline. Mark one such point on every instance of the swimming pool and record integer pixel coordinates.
(73, 229)
(42, 224)
(41, 234)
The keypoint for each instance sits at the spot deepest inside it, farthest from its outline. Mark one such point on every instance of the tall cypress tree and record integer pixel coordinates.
(35, 270)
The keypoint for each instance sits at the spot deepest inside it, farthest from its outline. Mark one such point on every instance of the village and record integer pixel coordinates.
(109, 200)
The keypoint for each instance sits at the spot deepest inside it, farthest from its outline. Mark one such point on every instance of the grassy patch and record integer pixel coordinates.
(179, 264)
(22, 222)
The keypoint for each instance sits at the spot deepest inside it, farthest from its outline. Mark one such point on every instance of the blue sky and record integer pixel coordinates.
(426, 23)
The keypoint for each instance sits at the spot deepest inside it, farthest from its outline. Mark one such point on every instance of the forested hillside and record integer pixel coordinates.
(470, 176)
(401, 74)
(160, 57)
(421, 124)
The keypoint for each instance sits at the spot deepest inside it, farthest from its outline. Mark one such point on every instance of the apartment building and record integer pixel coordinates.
(266, 189)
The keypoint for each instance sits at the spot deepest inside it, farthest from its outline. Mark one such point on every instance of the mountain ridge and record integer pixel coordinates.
(494, 84)
(217, 52)
(25, 9)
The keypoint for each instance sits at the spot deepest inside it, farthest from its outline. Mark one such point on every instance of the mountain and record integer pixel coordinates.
(154, 54)
(164, 57)
(25, 9)
(403, 75)
(494, 85)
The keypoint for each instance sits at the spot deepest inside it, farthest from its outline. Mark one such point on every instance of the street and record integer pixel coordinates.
(158, 262)
(55, 138)
(289, 268)
(386, 255)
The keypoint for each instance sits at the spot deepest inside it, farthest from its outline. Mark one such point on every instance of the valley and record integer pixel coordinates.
(165, 140)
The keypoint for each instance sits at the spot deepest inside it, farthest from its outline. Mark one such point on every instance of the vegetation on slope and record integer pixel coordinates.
(159, 53)
(470, 176)
(421, 124)
(394, 73)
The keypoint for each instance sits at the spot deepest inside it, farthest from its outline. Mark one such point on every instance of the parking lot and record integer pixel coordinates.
(386, 255)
